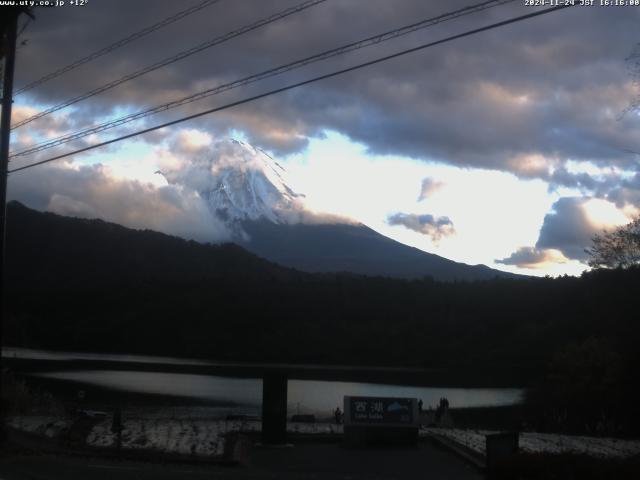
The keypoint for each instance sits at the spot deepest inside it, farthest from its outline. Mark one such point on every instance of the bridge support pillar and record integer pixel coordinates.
(274, 409)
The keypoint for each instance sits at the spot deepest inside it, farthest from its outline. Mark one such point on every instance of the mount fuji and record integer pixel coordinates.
(246, 188)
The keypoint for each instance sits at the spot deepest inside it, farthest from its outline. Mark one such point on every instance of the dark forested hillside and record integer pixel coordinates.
(91, 285)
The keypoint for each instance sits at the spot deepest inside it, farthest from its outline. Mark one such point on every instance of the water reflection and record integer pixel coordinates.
(305, 396)
(321, 396)
(234, 391)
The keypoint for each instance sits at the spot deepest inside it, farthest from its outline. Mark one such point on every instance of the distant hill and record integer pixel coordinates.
(46, 249)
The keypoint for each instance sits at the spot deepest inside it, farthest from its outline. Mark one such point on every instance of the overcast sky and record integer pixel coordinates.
(510, 148)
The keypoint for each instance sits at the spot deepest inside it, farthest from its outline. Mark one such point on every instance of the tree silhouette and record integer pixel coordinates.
(619, 248)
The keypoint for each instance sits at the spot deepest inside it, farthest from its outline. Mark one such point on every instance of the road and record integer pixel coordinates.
(303, 461)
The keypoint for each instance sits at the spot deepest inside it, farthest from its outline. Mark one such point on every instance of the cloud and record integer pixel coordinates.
(504, 99)
(567, 231)
(71, 207)
(251, 177)
(562, 177)
(429, 187)
(46, 128)
(93, 192)
(626, 192)
(526, 100)
(224, 160)
(622, 188)
(192, 162)
(434, 227)
(574, 221)
(193, 140)
(534, 258)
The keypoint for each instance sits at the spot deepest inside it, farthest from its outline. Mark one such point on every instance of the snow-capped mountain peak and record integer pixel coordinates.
(239, 182)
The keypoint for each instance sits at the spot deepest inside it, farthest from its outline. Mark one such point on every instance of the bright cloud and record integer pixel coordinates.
(494, 213)
(94, 192)
(604, 214)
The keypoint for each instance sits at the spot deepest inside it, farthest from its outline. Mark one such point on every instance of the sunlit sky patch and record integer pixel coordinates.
(493, 212)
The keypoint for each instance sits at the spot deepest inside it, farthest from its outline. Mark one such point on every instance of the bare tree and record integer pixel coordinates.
(619, 248)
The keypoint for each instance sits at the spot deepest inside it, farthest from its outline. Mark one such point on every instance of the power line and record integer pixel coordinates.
(298, 84)
(264, 75)
(169, 60)
(373, 40)
(114, 46)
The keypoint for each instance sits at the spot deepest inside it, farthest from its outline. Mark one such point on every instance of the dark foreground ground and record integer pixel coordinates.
(303, 461)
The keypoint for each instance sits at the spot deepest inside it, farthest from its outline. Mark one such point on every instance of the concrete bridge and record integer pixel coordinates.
(274, 377)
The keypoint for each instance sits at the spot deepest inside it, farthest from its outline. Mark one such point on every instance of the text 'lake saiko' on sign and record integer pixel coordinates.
(380, 410)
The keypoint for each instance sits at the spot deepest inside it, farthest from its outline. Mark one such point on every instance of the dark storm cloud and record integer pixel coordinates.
(568, 229)
(434, 227)
(626, 192)
(553, 86)
(620, 189)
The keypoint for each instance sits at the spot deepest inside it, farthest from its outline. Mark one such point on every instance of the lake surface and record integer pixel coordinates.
(241, 395)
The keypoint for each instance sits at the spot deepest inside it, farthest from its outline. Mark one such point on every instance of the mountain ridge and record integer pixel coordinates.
(325, 248)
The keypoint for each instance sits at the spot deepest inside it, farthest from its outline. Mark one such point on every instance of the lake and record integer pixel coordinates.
(243, 395)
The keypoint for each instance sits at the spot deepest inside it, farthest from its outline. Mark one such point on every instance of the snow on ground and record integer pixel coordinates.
(593, 446)
(532, 442)
(199, 436)
(205, 436)
(195, 436)
(46, 426)
(202, 438)
(473, 439)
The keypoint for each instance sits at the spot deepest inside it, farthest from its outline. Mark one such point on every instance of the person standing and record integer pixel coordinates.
(338, 415)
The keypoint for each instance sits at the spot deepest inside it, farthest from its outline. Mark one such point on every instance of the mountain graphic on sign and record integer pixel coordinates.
(395, 406)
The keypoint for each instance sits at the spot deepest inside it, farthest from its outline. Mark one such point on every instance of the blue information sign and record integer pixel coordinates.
(383, 411)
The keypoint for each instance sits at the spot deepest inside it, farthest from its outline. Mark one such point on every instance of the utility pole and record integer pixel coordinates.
(8, 43)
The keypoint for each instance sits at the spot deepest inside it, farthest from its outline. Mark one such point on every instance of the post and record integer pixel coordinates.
(500, 448)
(10, 33)
(274, 409)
